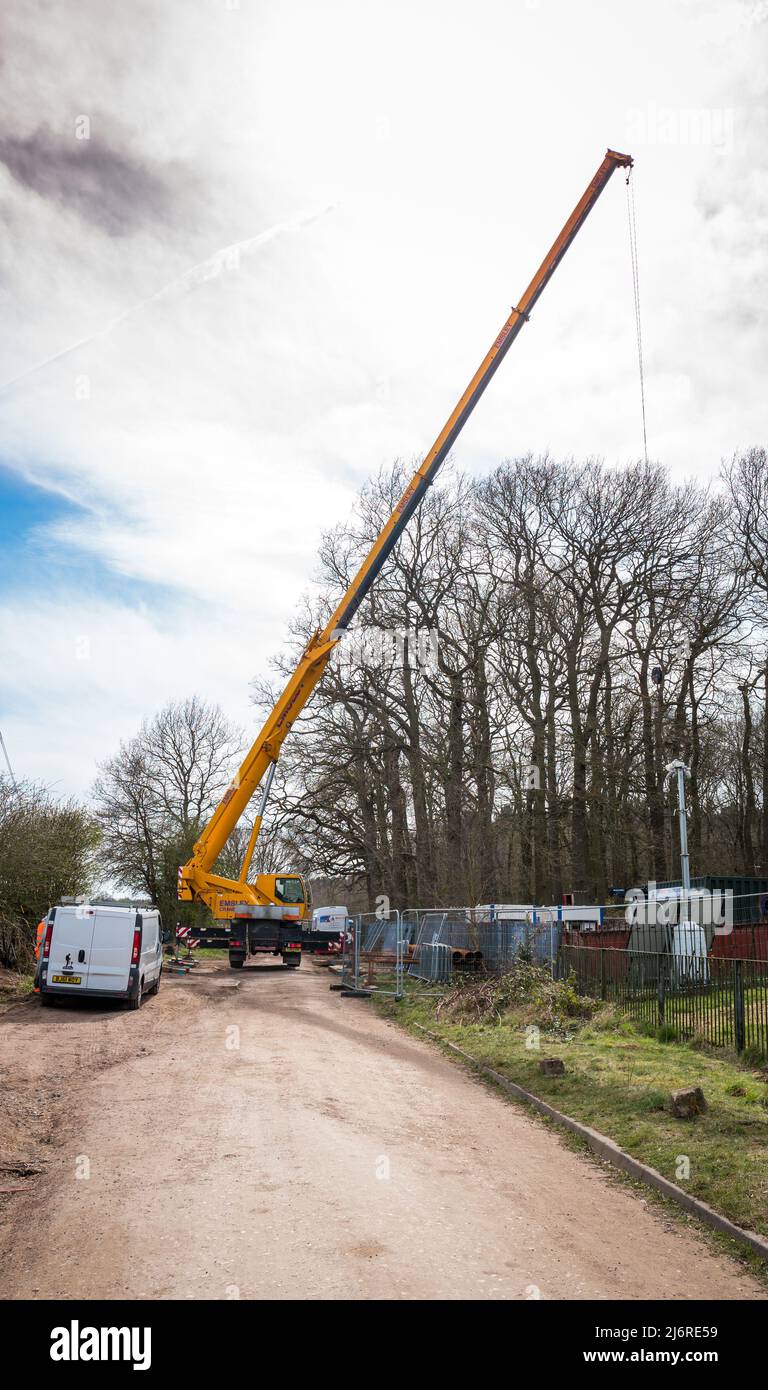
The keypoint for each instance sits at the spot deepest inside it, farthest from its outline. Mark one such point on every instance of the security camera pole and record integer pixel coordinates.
(680, 768)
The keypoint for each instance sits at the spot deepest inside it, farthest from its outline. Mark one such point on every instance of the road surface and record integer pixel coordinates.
(254, 1135)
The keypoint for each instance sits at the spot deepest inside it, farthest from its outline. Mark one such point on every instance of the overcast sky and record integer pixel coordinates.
(181, 420)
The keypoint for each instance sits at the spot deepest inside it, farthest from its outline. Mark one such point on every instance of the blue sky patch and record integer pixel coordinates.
(33, 561)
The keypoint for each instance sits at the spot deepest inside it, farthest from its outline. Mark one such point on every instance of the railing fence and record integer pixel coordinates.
(720, 1000)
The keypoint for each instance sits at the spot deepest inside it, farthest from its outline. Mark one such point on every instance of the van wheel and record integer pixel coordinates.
(135, 1003)
(155, 986)
(47, 1000)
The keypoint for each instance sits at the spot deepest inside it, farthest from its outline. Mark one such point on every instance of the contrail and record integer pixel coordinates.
(228, 258)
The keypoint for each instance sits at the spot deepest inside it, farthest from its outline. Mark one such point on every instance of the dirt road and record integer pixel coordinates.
(257, 1136)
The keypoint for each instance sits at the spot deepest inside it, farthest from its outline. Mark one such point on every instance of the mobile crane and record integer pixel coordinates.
(266, 914)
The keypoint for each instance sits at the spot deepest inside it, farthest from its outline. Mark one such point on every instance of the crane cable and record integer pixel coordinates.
(8, 762)
(632, 220)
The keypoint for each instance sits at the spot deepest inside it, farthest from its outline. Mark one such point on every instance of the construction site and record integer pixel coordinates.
(383, 824)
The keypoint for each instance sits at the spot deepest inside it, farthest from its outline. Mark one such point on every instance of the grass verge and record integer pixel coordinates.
(617, 1079)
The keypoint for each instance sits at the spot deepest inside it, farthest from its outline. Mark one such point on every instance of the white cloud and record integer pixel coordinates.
(227, 423)
(80, 674)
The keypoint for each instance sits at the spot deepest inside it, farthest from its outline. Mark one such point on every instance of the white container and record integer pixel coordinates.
(329, 919)
(689, 948)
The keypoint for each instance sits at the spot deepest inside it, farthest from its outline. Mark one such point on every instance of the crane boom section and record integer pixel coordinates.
(456, 421)
(314, 659)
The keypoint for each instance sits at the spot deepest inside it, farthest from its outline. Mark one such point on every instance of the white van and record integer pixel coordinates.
(329, 919)
(115, 952)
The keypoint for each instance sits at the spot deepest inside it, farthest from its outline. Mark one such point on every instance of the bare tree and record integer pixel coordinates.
(746, 477)
(531, 757)
(153, 797)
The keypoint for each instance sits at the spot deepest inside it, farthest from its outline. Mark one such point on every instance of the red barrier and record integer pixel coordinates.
(742, 943)
(614, 938)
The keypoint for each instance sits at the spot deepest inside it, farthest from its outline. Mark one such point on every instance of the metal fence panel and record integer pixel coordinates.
(477, 944)
(721, 1000)
(373, 956)
(435, 963)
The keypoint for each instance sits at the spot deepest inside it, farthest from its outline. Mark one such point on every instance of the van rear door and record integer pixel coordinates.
(151, 946)
(70, 948)
(110, 961)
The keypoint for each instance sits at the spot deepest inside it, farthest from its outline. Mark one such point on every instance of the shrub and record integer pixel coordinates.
(666, 1033)
(527, 990)
(16, 944)
(46, 849)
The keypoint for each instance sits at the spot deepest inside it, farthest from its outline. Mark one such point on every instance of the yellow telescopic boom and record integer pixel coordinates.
(195, 878)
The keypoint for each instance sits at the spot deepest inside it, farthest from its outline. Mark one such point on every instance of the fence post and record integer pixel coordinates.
(358, 930)
(399, 954)
(739, 1034)
(602, 973)
(660, 995)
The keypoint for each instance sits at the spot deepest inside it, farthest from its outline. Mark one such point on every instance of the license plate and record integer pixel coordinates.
(66, 979)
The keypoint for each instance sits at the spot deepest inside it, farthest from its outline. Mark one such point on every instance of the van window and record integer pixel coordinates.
(289, 890)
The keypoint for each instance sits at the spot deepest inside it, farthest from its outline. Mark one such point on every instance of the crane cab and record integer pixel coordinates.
(288, 891)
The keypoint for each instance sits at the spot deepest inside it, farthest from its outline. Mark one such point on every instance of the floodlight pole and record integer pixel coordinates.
(679, 767)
